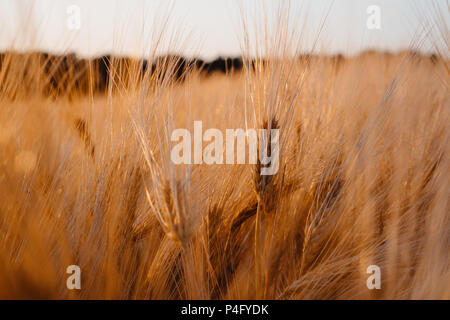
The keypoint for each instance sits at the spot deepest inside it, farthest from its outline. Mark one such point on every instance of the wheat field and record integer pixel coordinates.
(86, 179)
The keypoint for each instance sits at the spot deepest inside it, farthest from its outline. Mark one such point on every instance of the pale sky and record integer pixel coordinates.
(207, 28)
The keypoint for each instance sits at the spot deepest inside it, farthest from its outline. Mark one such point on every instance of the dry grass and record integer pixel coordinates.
(363, 179)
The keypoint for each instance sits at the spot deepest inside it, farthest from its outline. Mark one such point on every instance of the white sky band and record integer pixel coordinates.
(115, 26)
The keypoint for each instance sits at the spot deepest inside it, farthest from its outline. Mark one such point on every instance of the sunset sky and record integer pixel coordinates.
(206, 28)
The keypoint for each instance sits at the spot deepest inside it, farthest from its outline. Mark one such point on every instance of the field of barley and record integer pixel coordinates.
(86, 179)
